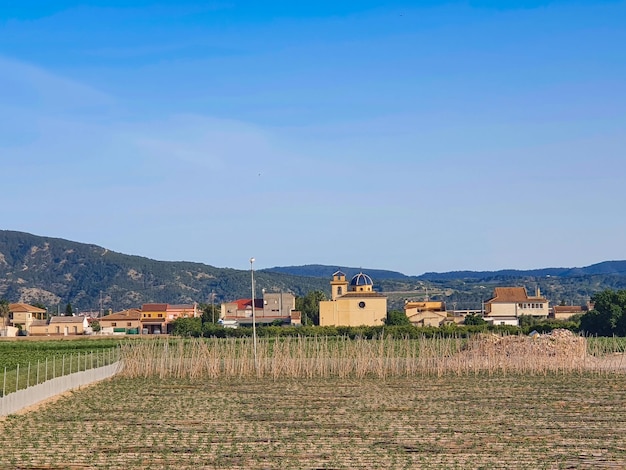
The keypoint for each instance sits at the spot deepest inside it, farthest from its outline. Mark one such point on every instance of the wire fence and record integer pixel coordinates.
(30, 374)
(28, 397)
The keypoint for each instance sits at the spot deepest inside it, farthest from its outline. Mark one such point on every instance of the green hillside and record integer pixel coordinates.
(54, 272)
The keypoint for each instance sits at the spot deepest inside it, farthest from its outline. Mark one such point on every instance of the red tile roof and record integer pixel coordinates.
(130, 314)
(154, 307)
(243, 304)
(568, 309)
(67, 319)
(512, 294)
(25, 308)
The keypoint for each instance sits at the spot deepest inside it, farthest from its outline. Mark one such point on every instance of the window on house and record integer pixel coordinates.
(339, 291)
(114, 324)
(160, 315)
(129, 324)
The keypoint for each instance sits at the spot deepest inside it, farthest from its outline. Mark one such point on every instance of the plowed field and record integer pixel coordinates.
(476, 421)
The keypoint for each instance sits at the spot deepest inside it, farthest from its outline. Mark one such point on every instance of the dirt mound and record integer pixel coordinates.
(557, 343)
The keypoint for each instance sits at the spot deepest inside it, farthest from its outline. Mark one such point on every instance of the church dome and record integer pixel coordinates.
(361, 280)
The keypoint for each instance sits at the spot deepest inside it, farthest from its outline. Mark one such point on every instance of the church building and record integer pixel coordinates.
(353, 304)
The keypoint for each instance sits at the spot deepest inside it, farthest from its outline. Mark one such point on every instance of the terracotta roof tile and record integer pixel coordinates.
(154, 307)
(568, 309)
(67, 319)
(513, 294)
(130, 314)
(243, 304)
(19, 307)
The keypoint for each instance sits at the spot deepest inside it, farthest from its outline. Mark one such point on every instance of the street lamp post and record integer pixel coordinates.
(256, 366)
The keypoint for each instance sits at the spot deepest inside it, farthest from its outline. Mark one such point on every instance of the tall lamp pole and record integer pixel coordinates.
(256, 366)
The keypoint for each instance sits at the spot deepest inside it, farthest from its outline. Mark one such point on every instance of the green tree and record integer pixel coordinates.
(68, 310)
(187, 327)
(397, 317)
(527, 321)
(210, 313)
(95, 326)
(4, 311)
(608, 316)
(473, 319)
(309, 305)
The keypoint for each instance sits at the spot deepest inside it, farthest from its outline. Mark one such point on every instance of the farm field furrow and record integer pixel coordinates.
(476, 421)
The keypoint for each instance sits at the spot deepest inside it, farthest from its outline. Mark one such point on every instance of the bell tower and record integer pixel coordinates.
(338, 286)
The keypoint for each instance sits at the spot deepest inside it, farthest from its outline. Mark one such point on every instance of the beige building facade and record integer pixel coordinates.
(510, 303)
(124, 322)
(272, 307)
(22, 315)
(426, 313)
(354, 303)
(60, 326)
(565, 312)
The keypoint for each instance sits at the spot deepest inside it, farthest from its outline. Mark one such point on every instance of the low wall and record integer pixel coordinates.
(30, 396)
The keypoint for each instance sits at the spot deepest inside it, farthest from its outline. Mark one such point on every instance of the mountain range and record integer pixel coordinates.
(319, 270)
(53, 272)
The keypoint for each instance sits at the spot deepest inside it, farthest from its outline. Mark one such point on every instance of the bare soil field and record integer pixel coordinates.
(551, 421)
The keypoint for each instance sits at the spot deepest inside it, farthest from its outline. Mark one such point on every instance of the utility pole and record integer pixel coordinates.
(256, 365)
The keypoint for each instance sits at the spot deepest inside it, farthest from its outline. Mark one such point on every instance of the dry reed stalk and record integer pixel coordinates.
(322, 357)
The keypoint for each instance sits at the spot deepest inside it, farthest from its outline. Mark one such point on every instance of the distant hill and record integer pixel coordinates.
(320, 270)
(54, 272)
(469, 289)
(606, 267)
(325, 271)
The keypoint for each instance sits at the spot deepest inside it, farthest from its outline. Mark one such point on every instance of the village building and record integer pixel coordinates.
(153, 318)
(354, 303)
(124, 322)
(60, 326)
(273, 307)
(426, 313)
(565, 312)
(22, 316)
(158, 318)
(510, 303)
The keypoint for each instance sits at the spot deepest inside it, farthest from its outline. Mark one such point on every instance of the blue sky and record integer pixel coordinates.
(412, 136)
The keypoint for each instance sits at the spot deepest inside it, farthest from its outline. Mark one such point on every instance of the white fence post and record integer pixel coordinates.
(23, 398)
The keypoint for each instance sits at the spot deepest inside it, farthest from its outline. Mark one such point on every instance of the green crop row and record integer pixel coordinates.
(14, 352)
